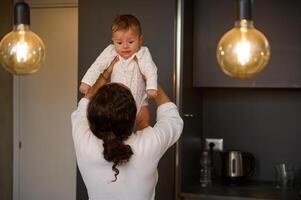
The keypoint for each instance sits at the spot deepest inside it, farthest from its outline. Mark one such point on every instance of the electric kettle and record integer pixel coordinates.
(237, 166)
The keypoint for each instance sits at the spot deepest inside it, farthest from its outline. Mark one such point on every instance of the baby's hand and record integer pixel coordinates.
(151, 93)
(84, 88)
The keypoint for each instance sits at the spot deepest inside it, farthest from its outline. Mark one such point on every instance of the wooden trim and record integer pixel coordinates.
(34, 5)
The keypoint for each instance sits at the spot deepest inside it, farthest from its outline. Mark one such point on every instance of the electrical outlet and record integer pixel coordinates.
(218, 143)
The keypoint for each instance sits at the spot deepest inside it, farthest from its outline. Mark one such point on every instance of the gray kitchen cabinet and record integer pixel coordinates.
(213, 18)
(261, 116)
(215, 197)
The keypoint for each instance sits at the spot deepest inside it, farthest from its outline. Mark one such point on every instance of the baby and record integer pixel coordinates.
(134, 67)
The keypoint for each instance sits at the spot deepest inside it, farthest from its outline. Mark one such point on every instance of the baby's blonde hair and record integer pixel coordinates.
(126, 22)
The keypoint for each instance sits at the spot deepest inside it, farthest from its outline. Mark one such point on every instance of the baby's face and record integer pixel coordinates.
(126, 42)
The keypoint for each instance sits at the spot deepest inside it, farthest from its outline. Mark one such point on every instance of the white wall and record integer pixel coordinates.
(45, 166)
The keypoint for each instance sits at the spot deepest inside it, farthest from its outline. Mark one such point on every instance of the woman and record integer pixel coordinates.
(115, 162)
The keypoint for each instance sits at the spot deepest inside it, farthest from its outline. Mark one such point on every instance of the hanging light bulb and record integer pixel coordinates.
(21, 51)
(243, 51)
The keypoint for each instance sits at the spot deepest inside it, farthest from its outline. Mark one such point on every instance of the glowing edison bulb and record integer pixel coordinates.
(243, 51)
(21, 51)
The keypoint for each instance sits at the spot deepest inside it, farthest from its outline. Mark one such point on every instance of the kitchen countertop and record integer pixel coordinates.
(255, 190)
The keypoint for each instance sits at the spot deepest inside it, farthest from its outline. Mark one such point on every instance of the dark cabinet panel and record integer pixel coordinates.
(191, 108)
(261, 116)
(158, 24)
(279, 20)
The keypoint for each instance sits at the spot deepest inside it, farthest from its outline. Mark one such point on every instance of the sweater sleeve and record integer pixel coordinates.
(79, 121)
(154, 141)
(147, 68)
(168, 127)
(99, 65)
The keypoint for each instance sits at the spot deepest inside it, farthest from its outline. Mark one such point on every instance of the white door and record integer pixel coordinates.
(45, 164)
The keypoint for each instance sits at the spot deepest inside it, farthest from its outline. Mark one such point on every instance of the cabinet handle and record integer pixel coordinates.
(188, 115)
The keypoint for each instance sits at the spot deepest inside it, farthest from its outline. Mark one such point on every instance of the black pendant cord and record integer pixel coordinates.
(243, 9)
(21, 13)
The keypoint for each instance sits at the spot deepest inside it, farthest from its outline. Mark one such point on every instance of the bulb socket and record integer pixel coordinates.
(243, 9)
(22, 14)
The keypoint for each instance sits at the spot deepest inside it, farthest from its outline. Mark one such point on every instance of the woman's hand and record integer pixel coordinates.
(102, 79)
(107, 73)
(161, 97)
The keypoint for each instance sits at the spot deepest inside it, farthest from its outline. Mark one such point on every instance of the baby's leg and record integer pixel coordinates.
(143, 118)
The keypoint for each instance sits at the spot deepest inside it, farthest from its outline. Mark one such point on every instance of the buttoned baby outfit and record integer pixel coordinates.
(127, 72)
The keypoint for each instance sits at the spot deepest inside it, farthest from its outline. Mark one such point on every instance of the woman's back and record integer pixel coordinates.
(137, 178)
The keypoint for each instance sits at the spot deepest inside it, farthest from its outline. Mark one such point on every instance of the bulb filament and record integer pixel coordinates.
(21, 51)
(242, 51)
